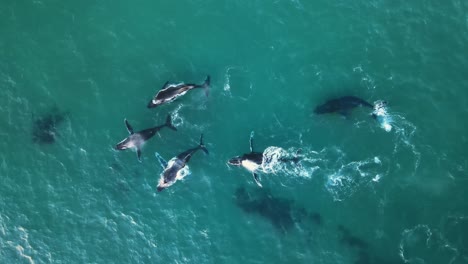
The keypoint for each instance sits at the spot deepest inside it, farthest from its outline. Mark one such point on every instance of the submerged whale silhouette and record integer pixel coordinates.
(283, 213)
(342, 105)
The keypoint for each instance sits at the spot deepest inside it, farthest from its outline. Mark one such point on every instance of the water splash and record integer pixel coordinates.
(344, 177)
(291, 162)
(403, 129)
(177, 119)
(352, 176)
(227, 82)
(381, 115)
(238, 72)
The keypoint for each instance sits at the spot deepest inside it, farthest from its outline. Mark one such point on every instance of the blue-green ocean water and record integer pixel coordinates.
(360, 195)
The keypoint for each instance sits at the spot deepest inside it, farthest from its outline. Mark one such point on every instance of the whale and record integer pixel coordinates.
(136, 140)
(170, 92)
(251, 161)
(173, 170)
(254, 160)
(342, 105)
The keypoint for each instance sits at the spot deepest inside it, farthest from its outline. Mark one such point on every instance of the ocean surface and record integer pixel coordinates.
(364, 191)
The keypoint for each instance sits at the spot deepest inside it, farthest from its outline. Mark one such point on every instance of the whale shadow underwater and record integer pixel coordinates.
(45, 128)
(363, 250)
(282, 213)
(343, 106)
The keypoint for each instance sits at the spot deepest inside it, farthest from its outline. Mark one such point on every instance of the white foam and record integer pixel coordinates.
(381, 114)
(24, 236)
(277, 160)
(377, 160)
(21, 252)
(177, 119)
(227, 84)
(377, 178)
(344, 178)
(422, 244)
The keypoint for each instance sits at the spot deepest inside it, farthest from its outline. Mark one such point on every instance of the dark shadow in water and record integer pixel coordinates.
(350, 240)
(45, 127)
(281, 212)
(365, 255)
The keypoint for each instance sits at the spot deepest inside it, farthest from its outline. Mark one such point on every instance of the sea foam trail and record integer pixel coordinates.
(291, 162)
(423, 244)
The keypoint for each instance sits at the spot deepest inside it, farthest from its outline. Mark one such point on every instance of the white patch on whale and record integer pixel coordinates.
(250, 165)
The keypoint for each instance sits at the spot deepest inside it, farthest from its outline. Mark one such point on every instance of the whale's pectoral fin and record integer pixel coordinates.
(251, 141)
(165, 85)
(161, 160)
(129, 127)
(139, 154)
(256, 179)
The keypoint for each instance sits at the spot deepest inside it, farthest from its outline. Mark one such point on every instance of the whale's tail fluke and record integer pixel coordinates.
(202, 145)
(169, 123)
(205, 85)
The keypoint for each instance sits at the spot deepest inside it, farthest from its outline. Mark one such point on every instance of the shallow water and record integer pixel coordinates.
(380, 196)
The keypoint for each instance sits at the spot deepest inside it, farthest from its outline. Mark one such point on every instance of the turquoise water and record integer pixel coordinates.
(360, 195)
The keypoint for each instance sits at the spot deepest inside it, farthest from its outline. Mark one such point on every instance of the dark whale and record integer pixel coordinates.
(136, 139)
(170, 92)
(172, 169)
(342, 105)
(251, 161)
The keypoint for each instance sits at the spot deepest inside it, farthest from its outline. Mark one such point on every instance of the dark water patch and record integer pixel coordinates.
(351, 240)
(45, 127)
(281, 212)
(315, 218)
(364, 251)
